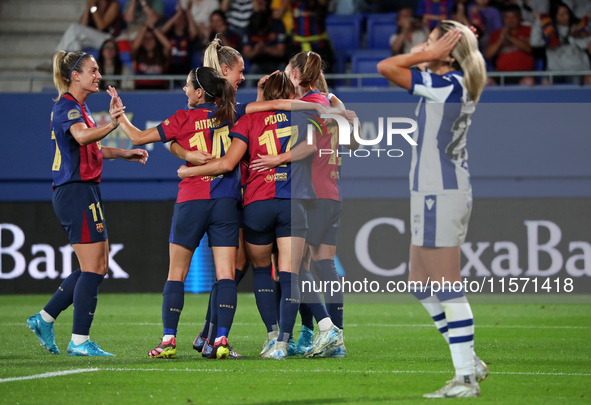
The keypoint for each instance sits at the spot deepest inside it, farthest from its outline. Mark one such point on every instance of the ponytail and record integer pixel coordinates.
(216, 90)
(64, 64)
(278, 86)
(310, 66)
(216, 55)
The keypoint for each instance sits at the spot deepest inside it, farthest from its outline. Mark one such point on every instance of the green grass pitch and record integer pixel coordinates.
(538, 353)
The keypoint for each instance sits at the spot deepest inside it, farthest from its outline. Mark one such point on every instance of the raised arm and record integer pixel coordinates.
(136, 136)
(224, 164)
(397, 68)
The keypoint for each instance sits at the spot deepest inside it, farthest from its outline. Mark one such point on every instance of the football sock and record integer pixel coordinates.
(62, 298)
(226, 306)
(46, 317)
(85, 300)
(79, 339)
(326, 271)
(264, 293)
(290, 303)
(205, 330)
(173, 300)
(277, 287)
(312, 299)
(307, 316)
(209, 329)
(238, 275)
(433, 306)
(460, 324)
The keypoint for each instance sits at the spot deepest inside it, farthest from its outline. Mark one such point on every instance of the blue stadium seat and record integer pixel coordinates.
(366, 61)
(126, 59)
(345, 34)
(380, 27)
(169, 8)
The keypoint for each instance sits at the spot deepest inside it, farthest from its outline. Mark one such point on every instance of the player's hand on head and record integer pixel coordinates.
(263, 80)
(444, 45)
(198, 157)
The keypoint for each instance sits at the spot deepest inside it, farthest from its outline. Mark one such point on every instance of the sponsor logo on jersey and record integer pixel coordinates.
(73, 114)
(430, 203)
(280, 176)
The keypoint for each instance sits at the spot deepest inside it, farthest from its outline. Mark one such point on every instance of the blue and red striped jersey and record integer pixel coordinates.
(71, 161)
(326, 168)
(273, 133)
(309, 20)
(196, 130)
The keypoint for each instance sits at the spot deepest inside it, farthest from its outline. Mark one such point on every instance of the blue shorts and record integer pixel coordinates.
(267, 220)
(324, 217)
(218, 217)
(80, 210)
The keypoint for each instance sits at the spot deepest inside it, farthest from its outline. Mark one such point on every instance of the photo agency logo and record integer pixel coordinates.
(341, 130)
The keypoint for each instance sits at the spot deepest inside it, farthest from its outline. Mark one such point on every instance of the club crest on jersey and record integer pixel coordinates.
(100, 227)
(73, 114)
(166, 122)
(269, 178)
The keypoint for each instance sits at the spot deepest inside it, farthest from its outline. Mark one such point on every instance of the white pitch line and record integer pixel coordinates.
(49, 375)
(216, 370)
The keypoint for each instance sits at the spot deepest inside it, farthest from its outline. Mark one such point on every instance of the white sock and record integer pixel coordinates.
(435, 309)
(274, 334)
(46, 317)
(325, 324)
(79, 339)
(460, 323)
(166, 338)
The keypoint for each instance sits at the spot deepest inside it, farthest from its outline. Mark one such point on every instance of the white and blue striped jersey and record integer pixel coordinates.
(440, 160)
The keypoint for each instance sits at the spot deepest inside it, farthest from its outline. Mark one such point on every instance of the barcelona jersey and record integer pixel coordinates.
(196, 130)
(325, 168)
(273, 133)
(71, 161)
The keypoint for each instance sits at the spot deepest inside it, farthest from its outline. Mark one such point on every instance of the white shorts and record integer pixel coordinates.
(439, 220)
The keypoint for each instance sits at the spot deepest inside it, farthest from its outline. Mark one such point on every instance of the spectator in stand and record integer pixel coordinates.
(201, 11)
(281, 10)
(566, 47)
(410, 32)
(110, 64)
(181, 32)
(151, 56)
(139, 12)
(486, 19)
(309, 29)
(100, 20)
(218, 25)
(264, 43)
(529, 8)
(510, 47)
(580, 8)
(434, 11)
(238, 13)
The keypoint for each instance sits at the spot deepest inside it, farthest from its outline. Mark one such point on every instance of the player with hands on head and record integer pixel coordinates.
(441, 194)
(77, 168)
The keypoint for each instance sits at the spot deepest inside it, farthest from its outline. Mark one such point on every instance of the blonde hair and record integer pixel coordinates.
(64, 63)
(469, 59)
(216, 55)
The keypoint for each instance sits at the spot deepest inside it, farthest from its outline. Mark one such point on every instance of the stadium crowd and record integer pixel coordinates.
(156, 37)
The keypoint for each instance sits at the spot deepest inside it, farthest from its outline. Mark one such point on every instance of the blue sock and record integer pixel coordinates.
(265, 296)
(173, 300)
(277, 286)
(226, 306)
(64, 296)
(310, 299)
(205, 330)
(307, 316)
(238, 276)
(290, 303)
(326, 271)
(85, 300)
(213, 320)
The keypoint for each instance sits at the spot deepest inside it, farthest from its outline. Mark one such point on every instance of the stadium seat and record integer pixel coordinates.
(345, 34)
(380, 27)
(366, 61)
